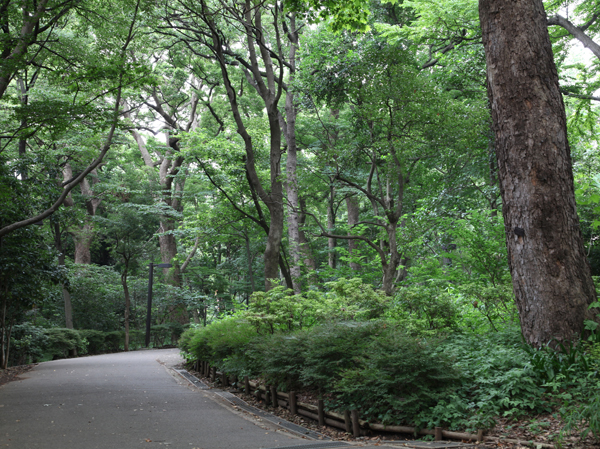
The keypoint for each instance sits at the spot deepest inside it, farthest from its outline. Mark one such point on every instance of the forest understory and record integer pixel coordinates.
(536, 431)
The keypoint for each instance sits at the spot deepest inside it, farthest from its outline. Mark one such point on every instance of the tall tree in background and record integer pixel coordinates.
(206, 24)
(550, 273)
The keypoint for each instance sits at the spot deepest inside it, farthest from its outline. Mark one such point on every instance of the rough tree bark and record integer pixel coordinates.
(551, 276)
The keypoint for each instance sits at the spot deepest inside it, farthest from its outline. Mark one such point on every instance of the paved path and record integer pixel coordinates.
(121, 401)
(125, 401)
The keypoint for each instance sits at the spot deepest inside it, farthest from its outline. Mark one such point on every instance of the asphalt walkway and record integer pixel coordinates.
(128, 400)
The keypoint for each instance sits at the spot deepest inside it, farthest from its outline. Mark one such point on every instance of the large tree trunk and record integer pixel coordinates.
(250, 258)
(84, 235)
(83, 238)
(390, 263)
(168, 251)
(273, 247)
(551, 276)
(291, 184)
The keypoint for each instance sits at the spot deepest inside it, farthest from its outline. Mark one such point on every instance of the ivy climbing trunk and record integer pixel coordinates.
(550, 273)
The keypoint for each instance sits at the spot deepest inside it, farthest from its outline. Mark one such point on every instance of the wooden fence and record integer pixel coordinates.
(348, 421)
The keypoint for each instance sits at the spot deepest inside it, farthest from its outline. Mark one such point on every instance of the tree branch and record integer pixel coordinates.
(576, 32)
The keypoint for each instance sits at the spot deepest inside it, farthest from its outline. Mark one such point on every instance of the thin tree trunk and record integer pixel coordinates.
(250, 258)
(3, 351)
(292, 202)
(8, 335)
(353, 208)
(291, 185)
(390, 267)
(309, 260)
(65, 292)
(550, 273)
(127, 303)
(331, 242)
(68, 307)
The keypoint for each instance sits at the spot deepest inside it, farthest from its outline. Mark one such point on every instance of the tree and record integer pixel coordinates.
(26, 24)
(128, 231)
(246, 42)
(402, 129)
(26, 262)
(551, 276)
(103, 66)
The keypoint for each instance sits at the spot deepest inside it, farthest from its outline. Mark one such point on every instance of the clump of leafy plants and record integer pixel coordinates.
(584, 415)
(280, 310)
(566, 359)
(28, 343)
(61, 341)
(218, 341)
(495, 381)
(395, 377)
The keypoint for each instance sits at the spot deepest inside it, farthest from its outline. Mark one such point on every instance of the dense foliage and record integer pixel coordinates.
(319, 176)
(451, 375)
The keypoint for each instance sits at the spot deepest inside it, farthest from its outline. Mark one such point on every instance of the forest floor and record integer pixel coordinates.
(538, 432)
(13, 373)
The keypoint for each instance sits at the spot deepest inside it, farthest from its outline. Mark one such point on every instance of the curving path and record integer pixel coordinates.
(122, 401)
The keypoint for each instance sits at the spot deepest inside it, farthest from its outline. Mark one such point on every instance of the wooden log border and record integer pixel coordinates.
(347, 421)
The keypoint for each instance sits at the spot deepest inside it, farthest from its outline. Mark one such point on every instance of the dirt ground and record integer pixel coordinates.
(13, 373)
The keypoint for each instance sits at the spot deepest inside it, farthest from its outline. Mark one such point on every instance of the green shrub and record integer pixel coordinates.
(311, 358)
(568, 360)
(279, 358)
(279, 310)
(350, 299)
(166, 334)
(95, 340)
(218, 341)
(584, 415)
(332, 349)
(137, 338)
(396, 376)
(371, 366)
(423, 308)
(61, 341)
(186, 338)
(27, 344)
(114, 341)
(496, 380)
